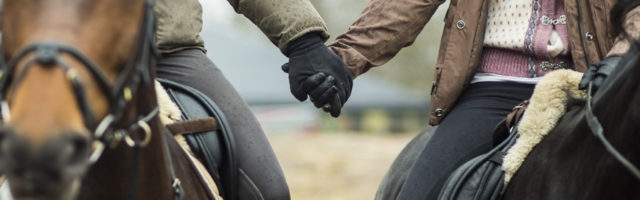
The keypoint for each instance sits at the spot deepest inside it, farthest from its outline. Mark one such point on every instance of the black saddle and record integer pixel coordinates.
(214, 148)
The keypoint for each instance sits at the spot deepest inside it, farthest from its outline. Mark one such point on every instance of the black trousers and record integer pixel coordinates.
(464, 134)
(261, 176)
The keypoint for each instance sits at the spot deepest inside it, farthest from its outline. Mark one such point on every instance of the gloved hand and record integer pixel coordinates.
(598, 72)
(316, 71)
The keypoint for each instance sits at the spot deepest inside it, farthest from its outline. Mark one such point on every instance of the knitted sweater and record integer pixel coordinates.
(525, 38)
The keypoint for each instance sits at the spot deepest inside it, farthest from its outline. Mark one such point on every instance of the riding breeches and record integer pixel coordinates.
(464, 134)
(261, 176)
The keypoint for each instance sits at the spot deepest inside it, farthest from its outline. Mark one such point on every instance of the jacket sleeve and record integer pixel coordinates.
(383, 28)
(282, 20)
(631, 25)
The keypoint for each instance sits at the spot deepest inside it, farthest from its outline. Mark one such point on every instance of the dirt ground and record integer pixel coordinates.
(336, 166)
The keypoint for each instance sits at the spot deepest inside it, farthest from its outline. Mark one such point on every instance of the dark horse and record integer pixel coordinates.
(570, 163)
(79, 81)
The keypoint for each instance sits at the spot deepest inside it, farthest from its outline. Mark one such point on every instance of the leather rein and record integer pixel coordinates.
(134, 76)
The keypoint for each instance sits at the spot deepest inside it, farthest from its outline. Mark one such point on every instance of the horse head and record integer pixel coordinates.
(72, 69)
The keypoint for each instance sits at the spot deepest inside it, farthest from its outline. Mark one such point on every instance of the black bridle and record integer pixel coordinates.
(106, 132)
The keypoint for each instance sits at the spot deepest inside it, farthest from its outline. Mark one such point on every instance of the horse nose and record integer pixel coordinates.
(70, 150)
(66, 151)
(44, 169)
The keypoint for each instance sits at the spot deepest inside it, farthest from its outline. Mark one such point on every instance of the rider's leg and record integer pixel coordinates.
(465, 133)
(263, 176)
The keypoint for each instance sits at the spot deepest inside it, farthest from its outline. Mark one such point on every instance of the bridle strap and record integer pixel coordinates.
(598, 132)
(176, 185)
(47, 54)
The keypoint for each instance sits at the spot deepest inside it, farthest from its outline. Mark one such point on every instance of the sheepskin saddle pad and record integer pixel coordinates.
(547, 104)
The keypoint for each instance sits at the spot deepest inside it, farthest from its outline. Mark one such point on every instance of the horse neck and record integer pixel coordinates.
(617, 106)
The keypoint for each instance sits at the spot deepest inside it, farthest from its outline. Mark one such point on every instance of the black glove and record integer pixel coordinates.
(598, 72)
(316, 71)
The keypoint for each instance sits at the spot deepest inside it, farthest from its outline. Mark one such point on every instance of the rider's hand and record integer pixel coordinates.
(598, 72)
(316, 71)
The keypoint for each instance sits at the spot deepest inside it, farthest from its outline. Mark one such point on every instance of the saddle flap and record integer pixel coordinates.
(207, 133)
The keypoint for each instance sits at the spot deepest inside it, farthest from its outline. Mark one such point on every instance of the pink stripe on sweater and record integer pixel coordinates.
(514, 63)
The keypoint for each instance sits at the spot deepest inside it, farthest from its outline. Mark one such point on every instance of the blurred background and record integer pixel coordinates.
(324, 157)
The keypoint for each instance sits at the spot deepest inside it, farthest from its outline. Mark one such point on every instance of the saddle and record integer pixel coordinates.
(206, 132)
(486, 176)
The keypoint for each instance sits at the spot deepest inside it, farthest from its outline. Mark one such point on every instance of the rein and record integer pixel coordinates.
(107, 132)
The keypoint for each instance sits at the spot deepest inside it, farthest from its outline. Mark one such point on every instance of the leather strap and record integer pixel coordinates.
(514, 117)
(193, 126)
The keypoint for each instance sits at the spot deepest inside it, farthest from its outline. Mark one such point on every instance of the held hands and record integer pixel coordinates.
(315, 71)
(598, 72)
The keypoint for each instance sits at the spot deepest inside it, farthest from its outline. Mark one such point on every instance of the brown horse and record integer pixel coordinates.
(573, 161)
(79, 80)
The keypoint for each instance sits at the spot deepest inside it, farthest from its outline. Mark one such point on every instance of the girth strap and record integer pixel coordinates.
(194, 126)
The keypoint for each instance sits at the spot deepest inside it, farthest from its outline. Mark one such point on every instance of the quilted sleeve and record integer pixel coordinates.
(282, 20)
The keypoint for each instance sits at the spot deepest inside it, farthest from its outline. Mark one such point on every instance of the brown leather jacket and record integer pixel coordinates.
(386, 26)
